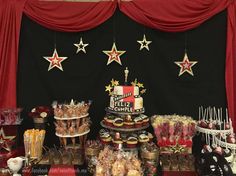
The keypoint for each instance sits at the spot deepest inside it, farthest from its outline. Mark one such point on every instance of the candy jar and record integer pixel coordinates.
(150, 158)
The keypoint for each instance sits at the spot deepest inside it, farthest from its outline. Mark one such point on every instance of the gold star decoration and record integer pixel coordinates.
(55, 60)
(140, 85)
(144, 43)
(108, 88)
(186, 65)
(134, 83)
(143, 91)
(5, 140)
(114, 54)
(81, 46)
(114, 83)
(177, 148)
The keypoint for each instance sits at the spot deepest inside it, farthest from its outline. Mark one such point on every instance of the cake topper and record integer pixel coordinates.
(126, 75)
(110, 88)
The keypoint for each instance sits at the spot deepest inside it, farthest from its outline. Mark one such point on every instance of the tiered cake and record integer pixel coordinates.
(124, 122)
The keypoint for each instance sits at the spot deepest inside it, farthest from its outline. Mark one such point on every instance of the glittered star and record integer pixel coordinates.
(5, 140)
(144, 43)
(114, 54)
(134, 83)
(186, 65)
(143, 91)
(140, 85)
(55, 60)
(108, 88)
(114, 82)
(81, 46)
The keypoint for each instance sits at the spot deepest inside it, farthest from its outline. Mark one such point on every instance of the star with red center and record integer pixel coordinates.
(186, 65)
(55, 60)
(114, 54)
(5, 140)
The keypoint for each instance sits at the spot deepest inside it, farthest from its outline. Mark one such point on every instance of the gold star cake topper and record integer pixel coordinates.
(186, 65)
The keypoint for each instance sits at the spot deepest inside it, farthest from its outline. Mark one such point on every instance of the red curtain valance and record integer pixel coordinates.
(172, 15)
(69, 16)
(168, 15)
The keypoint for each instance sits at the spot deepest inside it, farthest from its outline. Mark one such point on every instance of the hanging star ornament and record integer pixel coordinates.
(144, 43)
(55, 60)
(5, 140)
(186, 65)
(114, 54)
(81, 46)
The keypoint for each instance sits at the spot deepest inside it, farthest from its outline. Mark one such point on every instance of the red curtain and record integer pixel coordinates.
(172, 16)
(69, 16)
(10, 21)
(230, 67)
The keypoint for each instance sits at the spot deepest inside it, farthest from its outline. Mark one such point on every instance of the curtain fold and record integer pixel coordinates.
(69, 16)
(172, 16)
(10, 22)
(230, 65)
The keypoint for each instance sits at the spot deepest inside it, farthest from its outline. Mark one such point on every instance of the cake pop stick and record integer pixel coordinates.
(221, 113)
(220, 118)
(210, 114)
(226, 114)
(202, 113)
(199, 113)
(207, 114)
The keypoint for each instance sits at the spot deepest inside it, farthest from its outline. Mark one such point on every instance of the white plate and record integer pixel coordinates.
(71, 118)
(71, 136)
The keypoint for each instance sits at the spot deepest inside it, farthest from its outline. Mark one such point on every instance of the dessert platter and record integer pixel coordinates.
(72, 120)
(124, 123)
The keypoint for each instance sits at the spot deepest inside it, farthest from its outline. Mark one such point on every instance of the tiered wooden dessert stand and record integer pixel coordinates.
(82, 136)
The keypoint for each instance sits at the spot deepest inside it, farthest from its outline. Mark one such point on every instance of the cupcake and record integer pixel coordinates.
(118, 122)
(143, 138)
(131, 142)
(128, 123)
(138, 122)
(105, 136)
(108, 120)
(145, 120)
(150, 136)
(117, 143)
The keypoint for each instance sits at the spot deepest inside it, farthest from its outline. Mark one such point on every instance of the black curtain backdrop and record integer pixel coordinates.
(86, 75)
